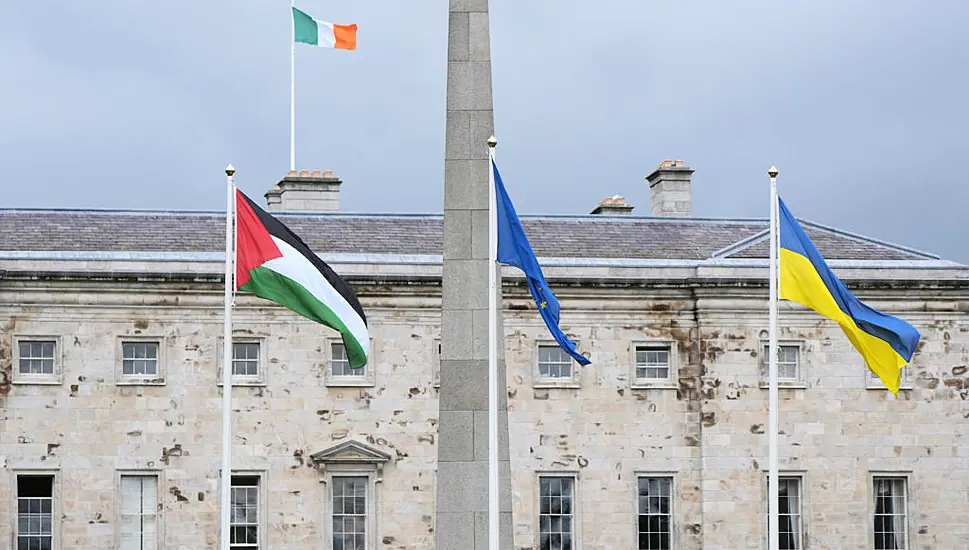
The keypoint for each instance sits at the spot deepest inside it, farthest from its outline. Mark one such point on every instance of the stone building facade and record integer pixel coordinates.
(110, 358)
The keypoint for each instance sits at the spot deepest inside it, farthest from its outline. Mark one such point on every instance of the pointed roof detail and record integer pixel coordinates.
(351, 452)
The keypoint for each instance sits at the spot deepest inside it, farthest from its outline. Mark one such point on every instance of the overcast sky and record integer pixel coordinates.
(860, 103)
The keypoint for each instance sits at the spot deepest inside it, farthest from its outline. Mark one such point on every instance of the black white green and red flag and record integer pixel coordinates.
(273, 263)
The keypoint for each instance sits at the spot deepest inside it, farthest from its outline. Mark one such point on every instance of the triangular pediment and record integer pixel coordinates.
(351, 452)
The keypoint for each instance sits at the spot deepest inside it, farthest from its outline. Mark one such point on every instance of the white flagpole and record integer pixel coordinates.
(772, 480)
(492, 351)
(227, 359)
(292, 89)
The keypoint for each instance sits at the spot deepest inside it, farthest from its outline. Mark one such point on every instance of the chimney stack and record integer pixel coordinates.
(670, 188)
(306, 191)
(613, 206)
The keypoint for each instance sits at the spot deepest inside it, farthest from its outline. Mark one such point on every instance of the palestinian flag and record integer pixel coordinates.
(273, 263)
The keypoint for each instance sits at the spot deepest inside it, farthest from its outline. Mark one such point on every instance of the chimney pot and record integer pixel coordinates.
(669, 185)
(613, 206)
(305, 191)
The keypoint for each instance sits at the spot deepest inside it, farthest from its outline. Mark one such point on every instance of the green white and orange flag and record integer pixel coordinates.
(273, 263)
(321, 33)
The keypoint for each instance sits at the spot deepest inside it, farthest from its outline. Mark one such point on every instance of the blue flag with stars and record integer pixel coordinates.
(514, 249)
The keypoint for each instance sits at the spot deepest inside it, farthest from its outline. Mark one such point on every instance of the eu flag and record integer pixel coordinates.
(514, 249)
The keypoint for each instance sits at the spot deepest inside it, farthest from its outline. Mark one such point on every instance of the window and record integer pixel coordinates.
(873, 382)
(139, 358)
(245, 359)
(788, 513)
(244, 513)
(35, 512)
(891, 521)
(139, 512)
(653, 362)
(554, 363)
(340, 363)
(36, 356)
(655, 514)
(788, 364)
(555, 512)
(36, 360)
(349, 513)
(351, 471)
(340, 373)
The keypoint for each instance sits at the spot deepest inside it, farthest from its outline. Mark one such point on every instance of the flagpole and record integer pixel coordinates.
(292, 89)
(772, 479)
(227, 360)
(492, 351)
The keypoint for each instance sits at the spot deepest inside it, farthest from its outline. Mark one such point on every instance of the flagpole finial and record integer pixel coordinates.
(492, 141)
(230, 170)
(772, 171)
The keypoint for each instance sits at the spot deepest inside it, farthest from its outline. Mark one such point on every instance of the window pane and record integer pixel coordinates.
(349, 511)
(553, 362)
(36, 357)
(245, 359)
(244, 512)
(555, 515)
(655, 495)
(890, 520)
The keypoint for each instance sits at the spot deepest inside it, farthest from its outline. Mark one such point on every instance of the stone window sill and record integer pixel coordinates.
(349, 383)
(658, 385)
(141, 382)
(35, 380)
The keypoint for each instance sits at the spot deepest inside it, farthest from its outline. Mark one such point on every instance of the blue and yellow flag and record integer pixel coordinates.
(887, 343)
(514, 249)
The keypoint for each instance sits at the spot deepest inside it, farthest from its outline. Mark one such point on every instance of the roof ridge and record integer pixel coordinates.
(866, 239)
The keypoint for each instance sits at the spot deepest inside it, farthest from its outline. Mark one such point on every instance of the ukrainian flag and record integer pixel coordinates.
(887, 343)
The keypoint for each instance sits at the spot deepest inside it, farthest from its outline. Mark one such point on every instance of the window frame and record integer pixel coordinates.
(41, 379)
(670, 382)
(905, 475)
(674, 488)
(367, 380)
(240, 379)
(576, 505)
(351, 459)
(159, 507)
(158, 379)
(55, 526)
(801, 477)
(763, 376)
(873, 382)
(573, 381)
(261, 506)
(436, 363)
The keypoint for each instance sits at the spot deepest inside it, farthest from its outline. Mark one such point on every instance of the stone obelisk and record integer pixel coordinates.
(462, 470)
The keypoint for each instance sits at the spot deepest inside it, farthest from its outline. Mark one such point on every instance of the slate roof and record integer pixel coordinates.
(589, 236)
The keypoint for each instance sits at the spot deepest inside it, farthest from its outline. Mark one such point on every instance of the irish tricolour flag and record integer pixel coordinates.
(320, 33)
(273, 263)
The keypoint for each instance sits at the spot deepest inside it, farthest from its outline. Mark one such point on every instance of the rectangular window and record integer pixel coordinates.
(555, 512)
(244, 513)
(35, 505)
(139, 358)
(36, 356)
(873, 382)
(891, 513)
(789, 513)
(653, 362)
(349, 513)
(554, 363)
(139, 512)
(245, 359)
(655, 513)
(341, 365)
(788, 363)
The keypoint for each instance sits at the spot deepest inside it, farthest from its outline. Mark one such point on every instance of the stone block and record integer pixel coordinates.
(465, 185)
(479, 234)
(454, 530)
(482, 127)
(481, 437)
(465, 284)
(464, 385)
(458, 235)
(456, 436)
(457, 145)
(505, 527)
(459, 486)
(469, 86)
(468, 6)
(479, 42)
(458, 38)
(457, 334)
